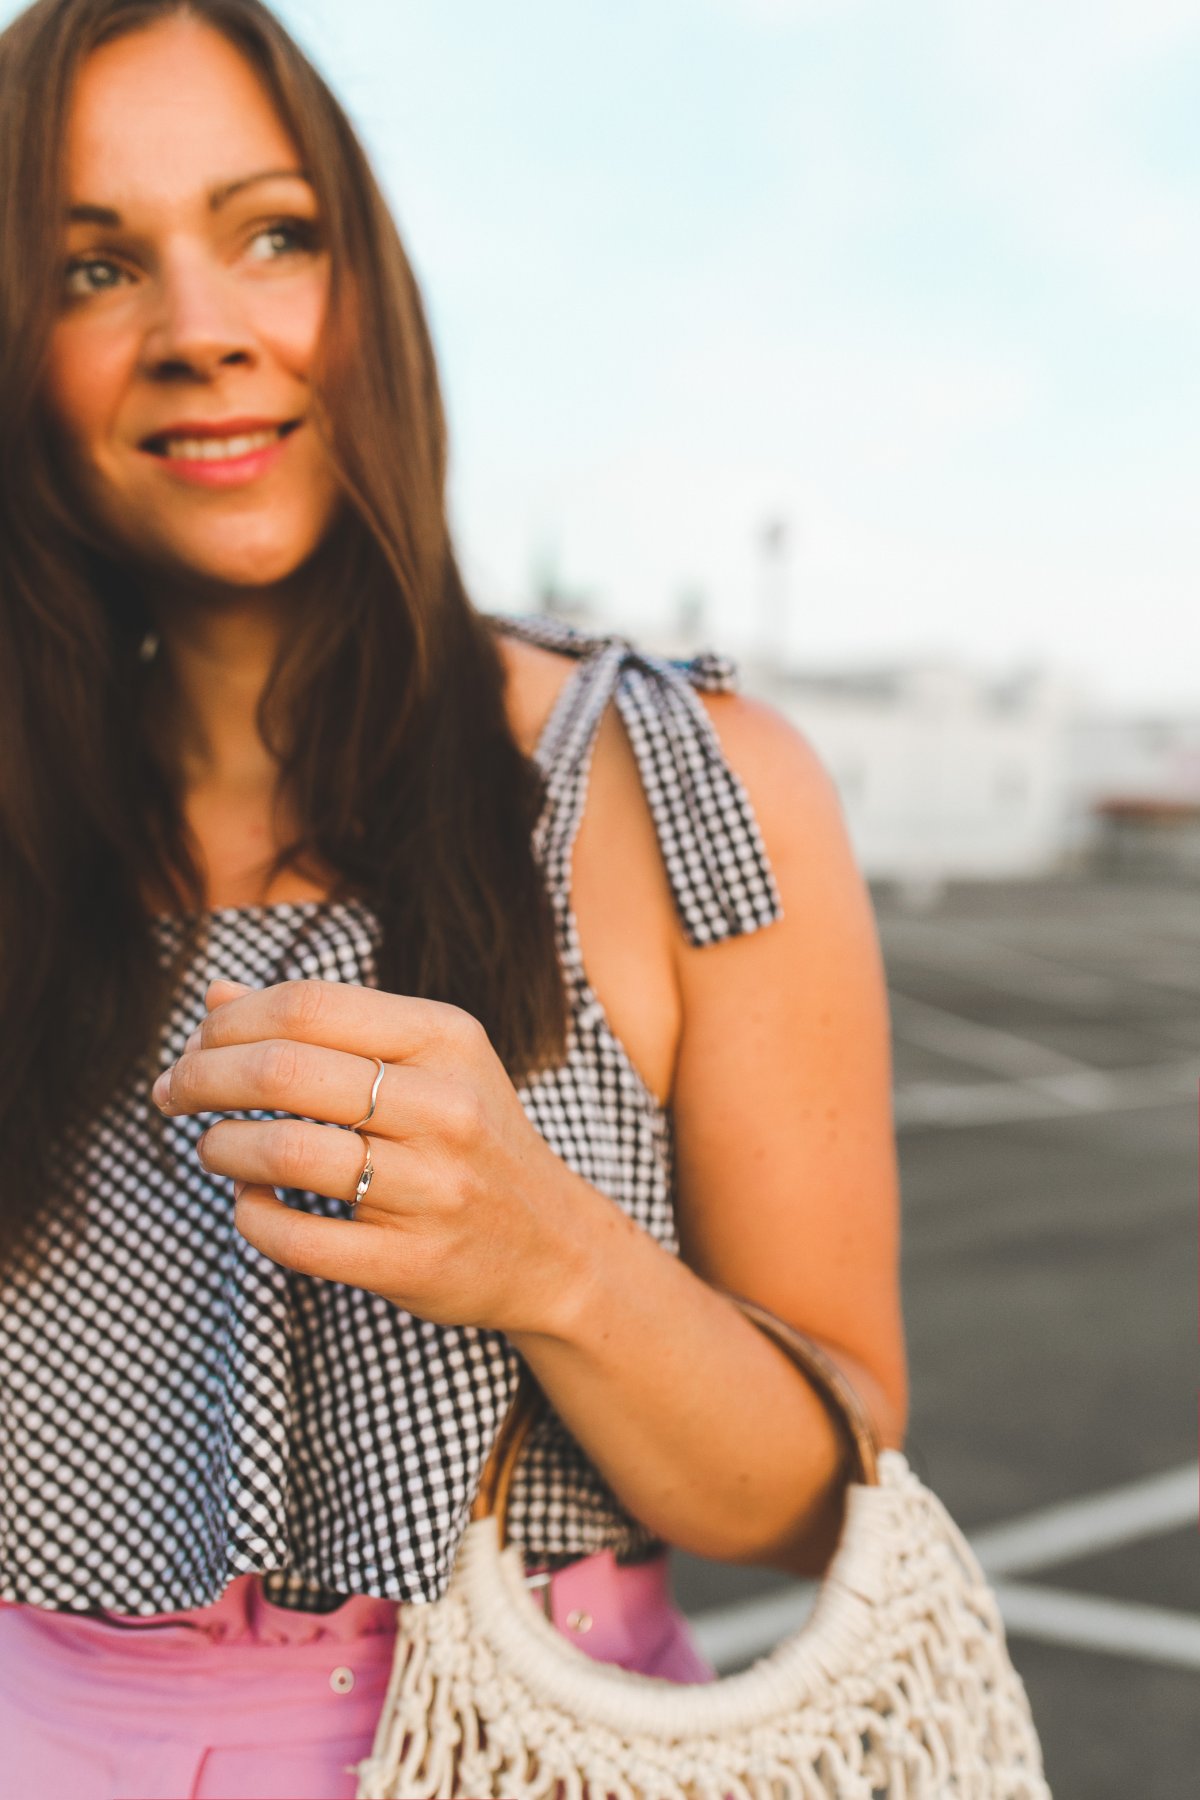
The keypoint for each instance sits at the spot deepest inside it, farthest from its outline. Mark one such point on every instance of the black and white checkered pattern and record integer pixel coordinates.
(176, 1410)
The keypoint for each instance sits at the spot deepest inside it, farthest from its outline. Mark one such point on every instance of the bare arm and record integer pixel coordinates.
(787, 1193)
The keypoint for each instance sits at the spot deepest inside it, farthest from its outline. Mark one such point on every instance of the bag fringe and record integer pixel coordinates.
(898, 1688)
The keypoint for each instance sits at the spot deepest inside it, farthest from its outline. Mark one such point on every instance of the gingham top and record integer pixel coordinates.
(177, 1410)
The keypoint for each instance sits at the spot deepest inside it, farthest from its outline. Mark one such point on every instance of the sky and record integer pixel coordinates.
(920, 283)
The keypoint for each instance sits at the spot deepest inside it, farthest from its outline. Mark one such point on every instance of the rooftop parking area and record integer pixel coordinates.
(1047, 1056)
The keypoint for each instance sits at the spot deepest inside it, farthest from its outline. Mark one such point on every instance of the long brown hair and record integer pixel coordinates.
(405, 778)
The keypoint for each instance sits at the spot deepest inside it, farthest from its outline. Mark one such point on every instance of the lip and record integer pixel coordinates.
(200, 428)
(235, 471)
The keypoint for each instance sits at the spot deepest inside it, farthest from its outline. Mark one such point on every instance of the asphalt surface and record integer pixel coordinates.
(1047, 1052)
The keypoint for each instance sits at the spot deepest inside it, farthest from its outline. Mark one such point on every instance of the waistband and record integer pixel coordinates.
(83, 1677)
(246, 1670)
(243, 1615)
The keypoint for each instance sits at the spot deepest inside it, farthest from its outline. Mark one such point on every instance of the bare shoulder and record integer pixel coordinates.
(788, 1189)
(827, 917)
(800, 817)
(788, 786)
(535, 678)
(816, 971)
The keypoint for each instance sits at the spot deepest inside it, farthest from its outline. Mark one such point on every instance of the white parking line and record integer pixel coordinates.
(732, 1636)
(1070, 1095)
(933, 1028)
(952, 947)
(1115, 1627)
(1056, 1534)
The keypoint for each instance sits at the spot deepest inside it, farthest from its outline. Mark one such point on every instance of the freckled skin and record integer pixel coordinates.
(201, 315)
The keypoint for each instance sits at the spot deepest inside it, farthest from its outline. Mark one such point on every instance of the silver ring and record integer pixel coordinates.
(375, 1087)
(368, 1170)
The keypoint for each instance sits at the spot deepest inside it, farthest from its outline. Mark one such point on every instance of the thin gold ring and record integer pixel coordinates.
(365, 1174)
(375, 1087)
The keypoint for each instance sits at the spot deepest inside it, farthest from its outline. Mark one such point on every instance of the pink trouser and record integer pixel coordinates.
(244, 1700)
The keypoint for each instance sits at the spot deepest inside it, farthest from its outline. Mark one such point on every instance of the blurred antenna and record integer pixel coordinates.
(775, 548)
(691, 616)
(544, 579)
(552, 597)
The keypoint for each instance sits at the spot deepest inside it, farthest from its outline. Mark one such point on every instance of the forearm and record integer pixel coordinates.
(701, 1426)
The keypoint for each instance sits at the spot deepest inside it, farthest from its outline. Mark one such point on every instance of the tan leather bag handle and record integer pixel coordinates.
(831, 1382)
(808, 1356)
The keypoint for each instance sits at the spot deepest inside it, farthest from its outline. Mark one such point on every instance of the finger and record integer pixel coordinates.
(348, 1250)
(217, 993)
(281, 1075)
(276, 1076)
(222, 990)
(293, 1153)
(344, 1016)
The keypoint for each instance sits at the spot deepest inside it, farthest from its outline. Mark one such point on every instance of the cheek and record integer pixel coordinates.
(84, 378)
(292, 325)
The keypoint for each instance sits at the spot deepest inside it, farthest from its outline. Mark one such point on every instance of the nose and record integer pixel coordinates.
(199, 324)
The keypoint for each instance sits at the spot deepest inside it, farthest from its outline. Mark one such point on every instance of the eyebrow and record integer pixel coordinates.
(85, 212)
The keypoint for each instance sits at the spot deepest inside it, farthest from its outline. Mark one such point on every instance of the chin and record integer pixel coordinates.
(256, 565)
(252, 573)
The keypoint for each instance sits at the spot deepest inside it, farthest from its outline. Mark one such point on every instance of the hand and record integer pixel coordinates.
(467, 1217)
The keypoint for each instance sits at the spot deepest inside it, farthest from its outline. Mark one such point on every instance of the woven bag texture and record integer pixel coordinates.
(898, 1687)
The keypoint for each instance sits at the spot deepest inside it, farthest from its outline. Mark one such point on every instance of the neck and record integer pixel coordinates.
(219, 650)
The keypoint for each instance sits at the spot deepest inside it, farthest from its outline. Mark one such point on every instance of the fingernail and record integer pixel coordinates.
(237, 1189)
(200, 1149)
(193, 1041)
(160, 1093)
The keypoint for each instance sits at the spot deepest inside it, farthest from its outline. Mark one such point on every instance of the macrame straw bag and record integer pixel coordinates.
(898, 1687)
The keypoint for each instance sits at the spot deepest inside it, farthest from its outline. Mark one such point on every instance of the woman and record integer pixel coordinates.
(296, 842)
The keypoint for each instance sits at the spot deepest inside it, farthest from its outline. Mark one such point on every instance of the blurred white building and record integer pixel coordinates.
(1138, 758)
(947, 773)
(1137, 780)
(943, 774)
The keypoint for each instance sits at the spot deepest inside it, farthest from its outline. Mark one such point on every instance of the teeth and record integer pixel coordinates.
(211, 449)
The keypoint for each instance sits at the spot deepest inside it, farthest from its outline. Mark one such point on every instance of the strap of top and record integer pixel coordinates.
(711, 845)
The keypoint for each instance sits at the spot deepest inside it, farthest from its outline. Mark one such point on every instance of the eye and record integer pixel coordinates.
(86, 275)
(283, 237)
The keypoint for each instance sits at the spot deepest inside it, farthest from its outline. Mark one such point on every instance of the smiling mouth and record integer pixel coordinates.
(218, 449)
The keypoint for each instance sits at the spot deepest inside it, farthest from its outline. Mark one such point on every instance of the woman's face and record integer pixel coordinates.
(195, 284)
